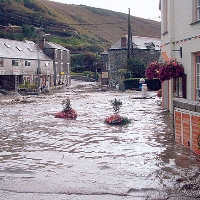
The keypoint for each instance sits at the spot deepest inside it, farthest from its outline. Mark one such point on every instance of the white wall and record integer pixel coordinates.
(180, 18)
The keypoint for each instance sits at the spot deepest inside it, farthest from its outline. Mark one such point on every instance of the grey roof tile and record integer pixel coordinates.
(140, 42)
(20, 50)
(52, 45)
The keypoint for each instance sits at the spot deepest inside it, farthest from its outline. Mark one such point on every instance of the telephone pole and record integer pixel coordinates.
(129, 34)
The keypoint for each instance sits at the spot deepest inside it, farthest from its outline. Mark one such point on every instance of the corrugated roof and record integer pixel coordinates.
(140, 43)
(21, 50)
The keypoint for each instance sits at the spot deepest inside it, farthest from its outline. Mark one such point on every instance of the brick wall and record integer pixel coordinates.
(187, 123)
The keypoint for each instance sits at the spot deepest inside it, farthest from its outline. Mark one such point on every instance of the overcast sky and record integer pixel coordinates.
(148, 9)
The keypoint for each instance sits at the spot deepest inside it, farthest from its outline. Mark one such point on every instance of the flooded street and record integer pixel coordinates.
(43, 157)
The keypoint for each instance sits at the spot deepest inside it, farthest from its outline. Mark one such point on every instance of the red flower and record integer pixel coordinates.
(152, 70)
(69, 114)
(114, 119)
(165, 71)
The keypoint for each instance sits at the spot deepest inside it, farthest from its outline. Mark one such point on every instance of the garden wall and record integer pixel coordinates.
(187, 123)
(133, 84)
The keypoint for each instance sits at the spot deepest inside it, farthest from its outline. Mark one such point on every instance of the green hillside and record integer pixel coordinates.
(77, 27)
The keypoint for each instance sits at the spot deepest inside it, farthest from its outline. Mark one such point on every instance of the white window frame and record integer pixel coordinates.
(61, 54)
(56, 53)
(198, 10)
(107, 66)
(198, 78)
(15, 62)
(1, 62)
(27, 63)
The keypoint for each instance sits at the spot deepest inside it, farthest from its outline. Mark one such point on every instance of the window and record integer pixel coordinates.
(1, 63)
(198, 10)
(31, 50)
(61, 54)
(56, 53)
(19, 48)
(27, 63)
(15, 62)
(180, 87)
(107, 66)
(7, 45)
(46, 64)
(198, 77)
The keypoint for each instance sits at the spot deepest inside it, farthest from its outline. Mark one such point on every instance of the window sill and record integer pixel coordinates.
(164, 33)
(194, 23)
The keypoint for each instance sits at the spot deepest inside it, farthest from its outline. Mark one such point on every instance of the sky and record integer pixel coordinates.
(148, 9)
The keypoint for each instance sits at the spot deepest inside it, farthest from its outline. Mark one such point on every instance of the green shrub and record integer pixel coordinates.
(28, 86)
(32, 86)
(78, 69)
(22, 86)
(88, 73)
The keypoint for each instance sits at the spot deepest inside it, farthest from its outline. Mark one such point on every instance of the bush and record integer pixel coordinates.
(32, 86)
(133, 83)
(88, 73)
(78, 69)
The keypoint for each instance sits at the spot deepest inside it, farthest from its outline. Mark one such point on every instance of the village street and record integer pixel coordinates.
(43, 157)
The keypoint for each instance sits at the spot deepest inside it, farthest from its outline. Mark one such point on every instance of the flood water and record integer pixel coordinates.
(43, 157)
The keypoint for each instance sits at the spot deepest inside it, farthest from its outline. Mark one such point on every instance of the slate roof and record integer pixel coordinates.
(140, 43)
(52, 45)
(20, 50)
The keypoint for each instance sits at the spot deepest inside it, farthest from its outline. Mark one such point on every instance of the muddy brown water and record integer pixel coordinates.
(42, 157)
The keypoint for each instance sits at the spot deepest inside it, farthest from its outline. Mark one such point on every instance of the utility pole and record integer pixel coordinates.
(129, 35)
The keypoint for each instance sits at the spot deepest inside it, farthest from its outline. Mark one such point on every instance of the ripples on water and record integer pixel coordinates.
(86, 155)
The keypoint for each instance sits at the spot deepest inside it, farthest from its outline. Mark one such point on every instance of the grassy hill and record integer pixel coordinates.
(76, 27)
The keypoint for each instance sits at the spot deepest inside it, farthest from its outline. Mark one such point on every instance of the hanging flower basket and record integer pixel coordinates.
(152, 70)
(170, 70)
(165, 71)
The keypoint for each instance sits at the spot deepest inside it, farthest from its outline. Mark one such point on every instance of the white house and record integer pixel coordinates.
(180, 29)
(23, 61)
(180, 36)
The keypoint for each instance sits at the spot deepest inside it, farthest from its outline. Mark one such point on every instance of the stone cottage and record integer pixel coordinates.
(143, 48)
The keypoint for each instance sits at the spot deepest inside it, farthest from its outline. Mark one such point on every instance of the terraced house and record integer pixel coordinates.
(180, 27)
(26, 62)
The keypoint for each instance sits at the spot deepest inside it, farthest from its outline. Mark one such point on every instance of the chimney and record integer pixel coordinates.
(42, 43)
(123, 42)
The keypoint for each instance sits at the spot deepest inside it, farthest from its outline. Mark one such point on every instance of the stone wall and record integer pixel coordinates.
(186, 104)
(118, 57)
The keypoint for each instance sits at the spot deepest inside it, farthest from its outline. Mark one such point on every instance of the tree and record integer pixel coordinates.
(88, 60)
(28, 31)
(136, 67)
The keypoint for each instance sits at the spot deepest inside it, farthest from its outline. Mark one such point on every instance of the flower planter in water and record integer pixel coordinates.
(69, 114)
(117, 120)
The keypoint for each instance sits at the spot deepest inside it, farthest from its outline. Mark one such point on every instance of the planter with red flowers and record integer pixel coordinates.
(67, 111)
(116, 119)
